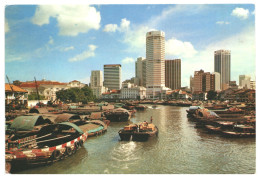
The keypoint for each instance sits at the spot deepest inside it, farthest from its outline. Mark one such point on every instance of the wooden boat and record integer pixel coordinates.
(118, 115)
(240, 131)
(140, 107)
(192, 110)
(138, 132)
(23, 126)
(52, 143)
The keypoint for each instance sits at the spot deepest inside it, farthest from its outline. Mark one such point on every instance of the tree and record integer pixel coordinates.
(74, 95)
(33, 96)
(212, 95)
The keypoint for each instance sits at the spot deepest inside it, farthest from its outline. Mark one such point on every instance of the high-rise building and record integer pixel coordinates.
(203, 81)
(244, 81)
(217, 81)
(140, 71)
(96, 83)
(155, 62)
(96, 79)
(173, 74)
(112, 76)
(222, 65)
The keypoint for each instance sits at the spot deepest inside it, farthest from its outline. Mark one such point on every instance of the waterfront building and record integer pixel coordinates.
(252, 85)
(244, 81)
(233, 85)
(155, 63)
(47, 89)
(96, 83)
(131, 91)
(203, 81)
(111, 95)
(140, 71)
(16, 94)
(173, 74)
(75, 84)
(222, 65)
(112, 76)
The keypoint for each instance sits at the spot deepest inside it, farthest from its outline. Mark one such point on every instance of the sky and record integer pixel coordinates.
(65, 42)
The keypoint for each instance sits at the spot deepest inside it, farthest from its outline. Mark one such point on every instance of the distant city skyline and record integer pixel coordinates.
(44, 42)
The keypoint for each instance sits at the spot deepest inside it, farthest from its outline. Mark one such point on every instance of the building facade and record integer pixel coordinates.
(155, 62)
(96, 83)
(203, 81)
(112, 76)
(140, 71)
(222, 65)
(244, 81)
(173, 74)
(130, 91)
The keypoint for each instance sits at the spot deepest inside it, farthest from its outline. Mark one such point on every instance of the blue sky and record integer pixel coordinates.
(64, 43)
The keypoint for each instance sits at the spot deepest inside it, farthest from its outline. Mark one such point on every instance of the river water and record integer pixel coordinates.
(180, 148)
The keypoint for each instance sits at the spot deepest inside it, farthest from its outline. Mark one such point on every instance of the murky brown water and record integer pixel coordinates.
(179, 148)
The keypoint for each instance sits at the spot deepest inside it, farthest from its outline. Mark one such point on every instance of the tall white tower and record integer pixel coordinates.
(155, 61)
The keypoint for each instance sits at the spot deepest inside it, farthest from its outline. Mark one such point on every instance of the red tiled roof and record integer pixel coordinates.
(15, 88)
(32, 84)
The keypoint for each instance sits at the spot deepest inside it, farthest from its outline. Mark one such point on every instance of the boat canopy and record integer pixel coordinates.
(39, 110)
(73, 126)
(27, 123)
(194, 107)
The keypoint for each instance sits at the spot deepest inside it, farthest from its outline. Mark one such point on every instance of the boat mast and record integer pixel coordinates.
(37, 92)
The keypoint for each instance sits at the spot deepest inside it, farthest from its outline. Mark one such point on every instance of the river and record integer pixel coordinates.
(180, 148)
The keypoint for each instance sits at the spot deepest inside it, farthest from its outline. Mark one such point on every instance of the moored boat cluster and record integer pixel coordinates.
(228, 122)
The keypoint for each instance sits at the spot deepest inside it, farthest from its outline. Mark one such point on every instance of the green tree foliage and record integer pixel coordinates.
(212, 95)
(75, 95)
(33, 96)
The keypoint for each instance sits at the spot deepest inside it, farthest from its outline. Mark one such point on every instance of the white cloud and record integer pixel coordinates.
(128, 60)
(90, 52)
(72, 19)
(6, 26)
(110, 28)
(179, 48)
(241, 13)
(222, 23)
(51, 41)
(68, 48)
(124, 24)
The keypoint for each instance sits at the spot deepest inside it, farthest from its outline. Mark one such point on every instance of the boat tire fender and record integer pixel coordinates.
(68, 151)
(76, 145)
(55, 155)
(81, 143)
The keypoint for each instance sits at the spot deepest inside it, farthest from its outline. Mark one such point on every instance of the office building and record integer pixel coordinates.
(112, 76)
(222, 65)
(173, 74)
(203, 81)
(244, 81)
(140, 71)
(155, 62)
(96, 83)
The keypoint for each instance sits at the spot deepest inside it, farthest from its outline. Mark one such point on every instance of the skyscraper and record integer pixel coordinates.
(140, 70)
(173, 74)
(112, 76)
(222, 65)
(155, 62)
